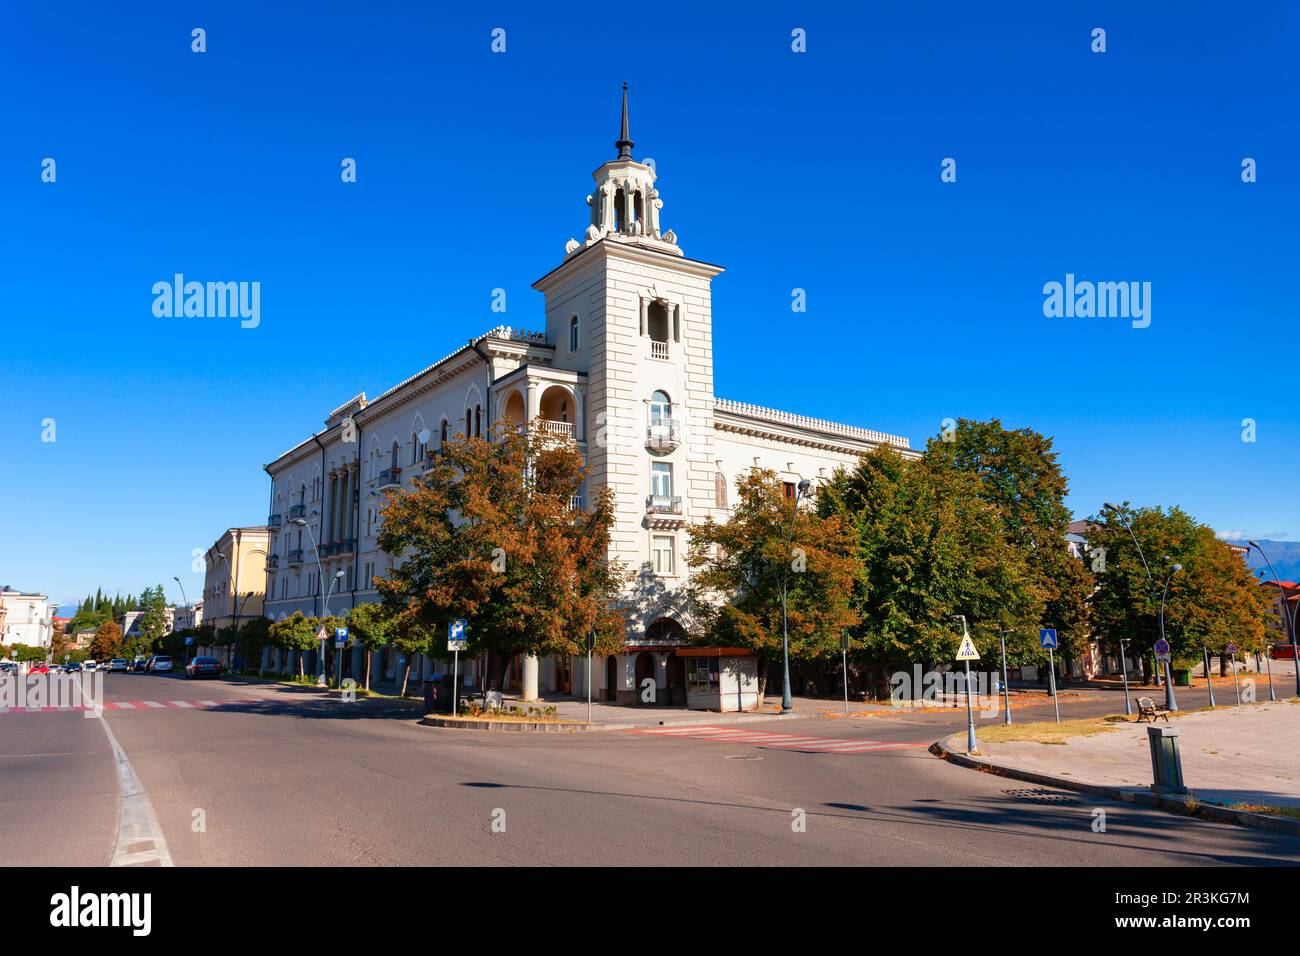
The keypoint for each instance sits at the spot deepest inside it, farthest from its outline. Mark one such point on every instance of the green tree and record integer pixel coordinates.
(1212, 601)
(1018, 473)
(488, 534)
(741, 565)
(295, 633)
(372, 625)
(930, 546)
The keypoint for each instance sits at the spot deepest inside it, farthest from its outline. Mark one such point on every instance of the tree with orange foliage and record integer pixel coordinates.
(489, 534)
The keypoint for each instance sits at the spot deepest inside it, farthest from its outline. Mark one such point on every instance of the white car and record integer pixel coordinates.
(161, 664)
(90, 666)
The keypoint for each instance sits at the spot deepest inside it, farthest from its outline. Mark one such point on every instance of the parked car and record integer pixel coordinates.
(71, 667)
(203, 667)
(39, 669)
(118, 664)
(148, 664)
(7, 666)
(138, 665)
(91, 665)
(160, 664)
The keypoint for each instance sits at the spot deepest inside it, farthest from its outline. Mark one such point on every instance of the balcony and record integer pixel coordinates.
(295, 557)
(575, 503)
(662, 435)
(346, 546)
(297, 511)
(555, 429)
(658, 350)
(273, 521)
(663, 504)
(273, 562)
(389, 478)
(328, 550)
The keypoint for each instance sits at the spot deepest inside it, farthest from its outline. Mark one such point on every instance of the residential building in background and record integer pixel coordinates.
(624, 369)
(236, 564)
(188, 618)
(26, 617)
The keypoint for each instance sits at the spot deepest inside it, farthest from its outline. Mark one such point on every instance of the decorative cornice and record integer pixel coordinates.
(805, 423)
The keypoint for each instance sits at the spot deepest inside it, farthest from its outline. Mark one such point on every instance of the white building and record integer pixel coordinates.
(624, 367)
(26, 617)
(188, 618)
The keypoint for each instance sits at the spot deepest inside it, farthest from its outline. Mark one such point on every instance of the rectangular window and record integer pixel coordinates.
(661, 550)
(790, 489)
(661, 479)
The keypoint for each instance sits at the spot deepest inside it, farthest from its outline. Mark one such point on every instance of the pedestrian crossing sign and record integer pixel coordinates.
(967, 650)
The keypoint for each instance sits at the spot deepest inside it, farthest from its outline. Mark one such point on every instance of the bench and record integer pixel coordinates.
(1147, 709)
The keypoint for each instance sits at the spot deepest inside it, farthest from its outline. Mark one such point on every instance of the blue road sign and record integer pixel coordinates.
(456, 630)
(189, 641)
(340, 636)
(1047, 637)
(1162, 648)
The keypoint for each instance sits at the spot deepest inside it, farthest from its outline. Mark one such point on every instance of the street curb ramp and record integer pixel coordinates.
(1189, 808)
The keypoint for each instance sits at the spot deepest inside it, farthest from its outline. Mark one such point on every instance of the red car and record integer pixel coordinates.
(39, 669)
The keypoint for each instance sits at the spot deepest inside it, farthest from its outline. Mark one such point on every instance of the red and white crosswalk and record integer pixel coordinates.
(736, 735)
(128, 705)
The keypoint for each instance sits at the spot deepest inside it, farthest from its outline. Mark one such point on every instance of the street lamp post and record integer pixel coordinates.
(1295, 652)
(787, 701)
(1209, 684)
(320, 574)
(187, 604)
(235, 637)
(1170, 702)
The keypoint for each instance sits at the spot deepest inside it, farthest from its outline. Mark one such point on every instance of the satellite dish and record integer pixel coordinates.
(424, 435)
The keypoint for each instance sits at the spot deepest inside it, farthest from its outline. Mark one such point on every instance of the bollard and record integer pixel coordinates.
(1166, 764)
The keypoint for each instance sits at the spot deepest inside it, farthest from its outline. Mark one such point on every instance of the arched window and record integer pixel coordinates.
(469, 422)
(415, 448)
(442, 438)
(478, 421)
(719, 490)
(573, 334)
(661, 408)
(393, 457)
(620, 201)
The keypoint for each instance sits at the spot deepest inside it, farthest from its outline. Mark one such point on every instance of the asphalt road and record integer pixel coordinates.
(271, 775)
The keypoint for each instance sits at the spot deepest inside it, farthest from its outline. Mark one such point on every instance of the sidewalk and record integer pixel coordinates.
(1231, 755)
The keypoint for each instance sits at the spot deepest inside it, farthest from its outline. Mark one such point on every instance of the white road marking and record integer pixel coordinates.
(137, 824)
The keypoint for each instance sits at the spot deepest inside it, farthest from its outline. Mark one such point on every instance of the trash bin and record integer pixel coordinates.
(438, 693)
(1182, 677)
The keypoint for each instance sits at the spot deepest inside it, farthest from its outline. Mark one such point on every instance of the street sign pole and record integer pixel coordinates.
(1006, 690)
(971, 746)
(1209, 684)
(1123, 669)
(455, 667)
(1232, 656)
(844, 655)
(591, 646)
(1051, 675)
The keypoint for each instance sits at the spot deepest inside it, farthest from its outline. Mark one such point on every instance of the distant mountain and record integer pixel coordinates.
(1285, 556)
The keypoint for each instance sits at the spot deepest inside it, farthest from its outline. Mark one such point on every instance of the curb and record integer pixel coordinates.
(521, 726)
(1204, 811)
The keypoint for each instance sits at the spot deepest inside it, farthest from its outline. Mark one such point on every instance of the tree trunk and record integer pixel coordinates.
(406, 673)
(369, 652)
(302, 667)
(496, 672)
(1223, 665)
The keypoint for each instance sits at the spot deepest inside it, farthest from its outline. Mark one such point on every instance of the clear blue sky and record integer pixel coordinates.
(816, 170)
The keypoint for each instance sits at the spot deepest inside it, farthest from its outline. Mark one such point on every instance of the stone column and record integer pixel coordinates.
(645, 310)
(580, 412)
(534, 400)
(677, 322)
(530, 677)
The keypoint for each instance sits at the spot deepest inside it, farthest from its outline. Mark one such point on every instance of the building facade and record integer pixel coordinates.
(235, 565)
(188, 617)
(623, 368)
(26, 617)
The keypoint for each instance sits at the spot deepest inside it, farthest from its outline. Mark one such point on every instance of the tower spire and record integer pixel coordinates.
(623, 143)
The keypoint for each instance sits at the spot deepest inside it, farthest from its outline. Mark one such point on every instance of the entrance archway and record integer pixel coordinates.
(645, 668)
(611, 677)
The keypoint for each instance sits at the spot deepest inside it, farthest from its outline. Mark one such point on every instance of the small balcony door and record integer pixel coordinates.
(661, 479)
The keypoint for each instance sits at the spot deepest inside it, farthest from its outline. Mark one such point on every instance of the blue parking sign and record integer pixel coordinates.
(456, 630)
(1047, 638)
